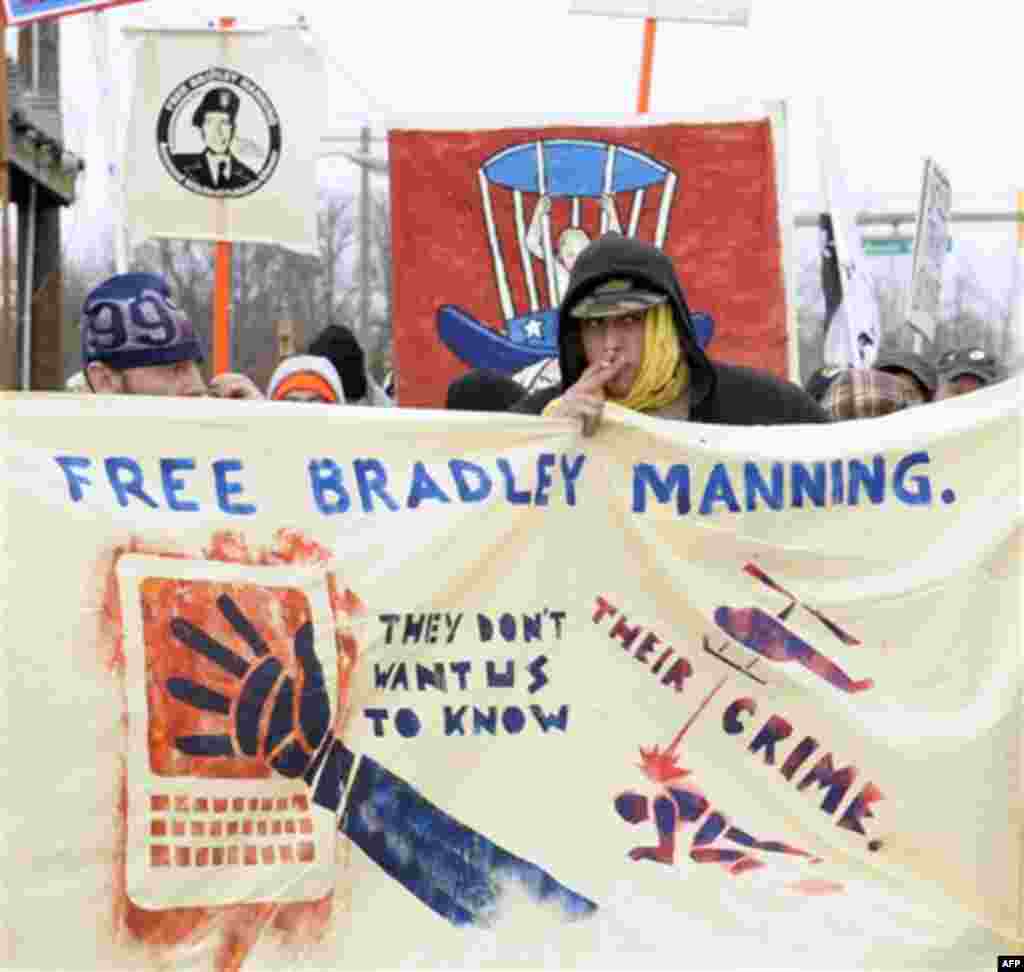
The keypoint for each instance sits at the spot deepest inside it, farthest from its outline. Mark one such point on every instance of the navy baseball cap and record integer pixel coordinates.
(130, 321)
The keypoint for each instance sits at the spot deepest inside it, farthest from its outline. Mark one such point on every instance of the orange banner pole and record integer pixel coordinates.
(222, 287)
(222, 308)
(643, 101)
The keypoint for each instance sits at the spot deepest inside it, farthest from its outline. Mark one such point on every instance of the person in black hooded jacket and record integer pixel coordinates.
(625, 335)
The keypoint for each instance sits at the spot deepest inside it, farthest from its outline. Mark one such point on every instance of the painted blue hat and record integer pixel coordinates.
(130, 321)
(523, 341)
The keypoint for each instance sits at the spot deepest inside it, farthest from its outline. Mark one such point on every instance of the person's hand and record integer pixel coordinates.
(585, 399)
(545, 203)
(299, 710)
(232, 384)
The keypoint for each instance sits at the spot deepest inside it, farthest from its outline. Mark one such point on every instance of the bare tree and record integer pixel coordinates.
(970, 315)
(336, 236)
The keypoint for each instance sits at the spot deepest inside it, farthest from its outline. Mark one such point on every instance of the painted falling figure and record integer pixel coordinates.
(681, 803)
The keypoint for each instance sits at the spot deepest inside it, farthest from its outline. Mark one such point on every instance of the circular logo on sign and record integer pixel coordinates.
(218, 134)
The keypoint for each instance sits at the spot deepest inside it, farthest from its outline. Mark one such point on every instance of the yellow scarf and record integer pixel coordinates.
(664, 371)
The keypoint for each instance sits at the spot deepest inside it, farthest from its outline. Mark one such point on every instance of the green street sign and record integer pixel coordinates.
(893, 245)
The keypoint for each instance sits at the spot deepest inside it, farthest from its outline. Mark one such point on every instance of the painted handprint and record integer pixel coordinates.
(283, 718)
(299, 714)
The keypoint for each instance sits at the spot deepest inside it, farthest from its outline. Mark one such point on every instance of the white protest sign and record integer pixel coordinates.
(930, 242)
(735, 13)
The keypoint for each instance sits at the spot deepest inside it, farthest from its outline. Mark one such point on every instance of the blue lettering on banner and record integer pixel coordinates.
(530, 483)
(490, 679)
(329, 493)
(126, 483)
(369, 485)
(126, 479)
(227, 488)
(70, 465)
(174, 484)
(777, 485)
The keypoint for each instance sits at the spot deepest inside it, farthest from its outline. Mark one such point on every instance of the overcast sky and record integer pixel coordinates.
(900, 79)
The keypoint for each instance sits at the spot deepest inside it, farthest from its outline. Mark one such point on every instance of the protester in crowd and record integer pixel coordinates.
(966, 370)
(858, 393)
(137, 341)
(820, 380)
(338, 344)
(919, 374)
(626, 335)
(483, 390)
(306, 378)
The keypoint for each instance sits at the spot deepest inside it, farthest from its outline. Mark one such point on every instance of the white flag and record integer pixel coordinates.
(733, 13)
(223, 137)
(855, 330)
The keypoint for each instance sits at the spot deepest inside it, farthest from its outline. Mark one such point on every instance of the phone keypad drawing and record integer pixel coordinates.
(208, 821)
(196, 831)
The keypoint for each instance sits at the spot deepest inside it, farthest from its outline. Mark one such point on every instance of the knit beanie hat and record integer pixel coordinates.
(306, 372)
(130, 321)
(339, 345)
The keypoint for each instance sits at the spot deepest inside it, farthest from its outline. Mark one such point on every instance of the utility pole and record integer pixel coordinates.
(41, 292)
(364, 238)
(8, 332)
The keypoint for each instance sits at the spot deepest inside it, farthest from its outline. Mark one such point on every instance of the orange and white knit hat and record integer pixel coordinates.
(306, 372)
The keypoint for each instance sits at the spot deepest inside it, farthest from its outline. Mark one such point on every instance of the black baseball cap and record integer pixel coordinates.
(924, 372)
(970, 361)
(620, 295)
(820, 380)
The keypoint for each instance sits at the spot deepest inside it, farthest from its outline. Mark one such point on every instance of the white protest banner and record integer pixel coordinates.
(855, 330)
(224, 134)
(931, 237)
(423, 689)
(17, 13)
(731, 13)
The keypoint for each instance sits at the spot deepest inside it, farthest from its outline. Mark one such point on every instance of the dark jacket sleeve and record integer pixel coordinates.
(747, 396)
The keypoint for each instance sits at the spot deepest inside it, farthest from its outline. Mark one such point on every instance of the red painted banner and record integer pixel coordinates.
(486, 226)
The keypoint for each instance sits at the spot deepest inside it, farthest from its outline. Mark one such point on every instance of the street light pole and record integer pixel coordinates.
(364, 236)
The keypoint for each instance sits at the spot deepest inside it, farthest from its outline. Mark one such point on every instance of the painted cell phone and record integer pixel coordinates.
(202, 830)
